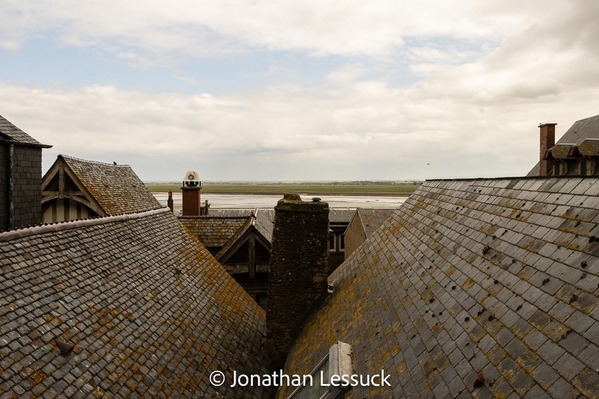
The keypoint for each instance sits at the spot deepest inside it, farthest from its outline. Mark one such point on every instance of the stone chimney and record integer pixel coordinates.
(191, 194)
(547, 133)
(297, 282)
(170, 202)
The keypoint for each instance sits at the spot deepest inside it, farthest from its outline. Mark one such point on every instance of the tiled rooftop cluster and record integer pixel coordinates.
(116, 188)
(473, 288)
(126, 306)
(224, 226)
(213, 231)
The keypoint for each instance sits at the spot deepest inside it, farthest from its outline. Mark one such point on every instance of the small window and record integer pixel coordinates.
(342, 245)
(336, 363)
(332, 241)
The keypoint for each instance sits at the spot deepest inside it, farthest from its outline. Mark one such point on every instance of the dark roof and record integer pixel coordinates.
(227, 213)
(12, 133)
(265, 222)
(588, 147)
(581, 130)
(262, 220)
(490, 280)
(213, 231)
(341, 215)
(116, 188)
(373, 218)
(147, 310)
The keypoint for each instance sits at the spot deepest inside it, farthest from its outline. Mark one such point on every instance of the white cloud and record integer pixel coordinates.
(474, 112)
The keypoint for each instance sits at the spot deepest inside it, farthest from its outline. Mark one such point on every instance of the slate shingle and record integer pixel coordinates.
(147, 309)
(495, 265)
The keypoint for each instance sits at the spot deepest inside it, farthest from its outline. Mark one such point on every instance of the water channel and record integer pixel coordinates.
(245, 201)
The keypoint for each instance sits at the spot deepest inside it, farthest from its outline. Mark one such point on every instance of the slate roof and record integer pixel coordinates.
(149, 311)
(488, 280)
(10, 132)
(116, 188)
(213, 231)
(341, 215)
(581, 130)
(373, 218)
(223, 227)
(265, 222)
(262, 220)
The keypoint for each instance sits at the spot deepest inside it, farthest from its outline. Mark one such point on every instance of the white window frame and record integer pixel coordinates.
(340, 363)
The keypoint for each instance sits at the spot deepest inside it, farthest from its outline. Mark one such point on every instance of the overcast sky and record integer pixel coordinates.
(299, 90)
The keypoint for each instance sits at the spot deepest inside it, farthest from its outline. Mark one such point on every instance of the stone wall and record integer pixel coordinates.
(298, 271)
(27, 191)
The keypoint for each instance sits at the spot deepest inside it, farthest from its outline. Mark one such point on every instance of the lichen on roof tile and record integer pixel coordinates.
(127, 306)
(457, 295)
(116, 188)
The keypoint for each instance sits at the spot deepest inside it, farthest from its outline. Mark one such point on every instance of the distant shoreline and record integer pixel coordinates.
(393, 190)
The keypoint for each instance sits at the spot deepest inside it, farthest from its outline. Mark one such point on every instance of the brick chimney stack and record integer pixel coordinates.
(297, 282)
(192, 186)
(547, 133)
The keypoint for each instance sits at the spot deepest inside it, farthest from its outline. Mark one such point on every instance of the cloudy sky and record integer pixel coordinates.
(299, 90)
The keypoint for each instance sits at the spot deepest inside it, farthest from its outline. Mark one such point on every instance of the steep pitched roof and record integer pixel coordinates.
(262, 220)
(10, 132)
(472, 288)
(135, 303)
(213, 231)
(372, 219)
(115, 189)
(341, 215)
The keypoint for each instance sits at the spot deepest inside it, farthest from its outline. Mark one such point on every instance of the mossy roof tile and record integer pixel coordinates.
(147, 309)
(492, 281)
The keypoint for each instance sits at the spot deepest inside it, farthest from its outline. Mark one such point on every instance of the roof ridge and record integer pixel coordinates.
(584, 119)
(60, 226)
(90, 161)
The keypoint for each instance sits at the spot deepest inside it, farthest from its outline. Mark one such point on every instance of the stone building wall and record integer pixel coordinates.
(4, 149)
(27, 190)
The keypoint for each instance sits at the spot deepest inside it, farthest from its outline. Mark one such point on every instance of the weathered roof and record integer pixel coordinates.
(213, 231)
(583, 129)
(231, 212)
(559, 151)
(588, 147)
(265, 222)
(116, 188)
(148, 311)
(10, 132)
(372, 219)
(488, 280)
(262, 220)
(341, 215)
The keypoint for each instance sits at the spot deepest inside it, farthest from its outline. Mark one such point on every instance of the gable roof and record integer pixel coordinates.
(341, 215)
(372, 219)
(261, 222)
(10, 132)
(213, 231)
(110, 189)
(580, 131)
(490, 280)
(225, 226)
(139, 307)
